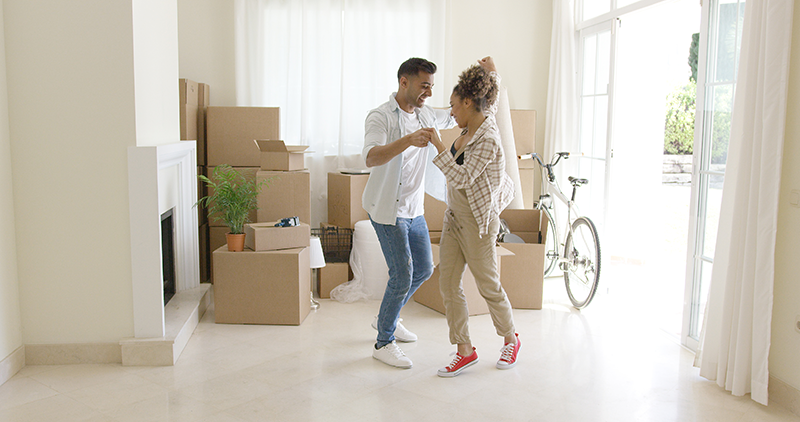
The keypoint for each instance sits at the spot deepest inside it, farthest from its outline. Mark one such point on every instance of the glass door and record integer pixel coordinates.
(597, 51)
(720, 42)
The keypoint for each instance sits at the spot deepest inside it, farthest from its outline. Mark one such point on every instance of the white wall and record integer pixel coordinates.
(10, 325)
(783, 358)
(206, 47)
(516, 33)
(71, 111)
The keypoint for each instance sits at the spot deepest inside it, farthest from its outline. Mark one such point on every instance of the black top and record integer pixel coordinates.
(460, 158)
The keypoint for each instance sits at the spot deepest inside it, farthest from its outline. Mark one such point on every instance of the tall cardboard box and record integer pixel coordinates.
(188, 92)
(232, 130)
(203, 101)
(522, 275)
(249, 173)
(188, 122)
(527, 181)
(523, 123)
(288, 194)
(429, 294)
(344, 199)
(262, 287)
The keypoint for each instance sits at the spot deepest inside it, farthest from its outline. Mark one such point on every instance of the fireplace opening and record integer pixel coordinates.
(168, 254)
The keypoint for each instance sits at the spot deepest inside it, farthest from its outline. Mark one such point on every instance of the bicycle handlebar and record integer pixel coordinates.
(549, 167)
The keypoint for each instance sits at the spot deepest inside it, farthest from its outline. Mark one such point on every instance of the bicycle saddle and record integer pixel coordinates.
(577, 182)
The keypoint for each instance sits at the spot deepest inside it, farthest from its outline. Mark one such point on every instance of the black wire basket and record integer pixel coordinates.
(337, 242)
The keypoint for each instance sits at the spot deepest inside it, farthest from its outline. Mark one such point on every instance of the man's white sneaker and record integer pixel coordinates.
(401, 333)
(392, 355)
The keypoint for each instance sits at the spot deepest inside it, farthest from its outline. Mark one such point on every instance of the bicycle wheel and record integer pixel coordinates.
(582, 268)
(551, 245)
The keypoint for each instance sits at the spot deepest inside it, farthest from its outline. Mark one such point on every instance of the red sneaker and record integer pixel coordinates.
(508, 354)
(458, 364)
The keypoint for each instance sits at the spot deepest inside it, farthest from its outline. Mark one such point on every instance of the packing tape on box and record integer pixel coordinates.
(370, 273)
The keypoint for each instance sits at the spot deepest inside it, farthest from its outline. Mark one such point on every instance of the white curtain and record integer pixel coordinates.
(326, 63)
(561, 117)
(735, 340)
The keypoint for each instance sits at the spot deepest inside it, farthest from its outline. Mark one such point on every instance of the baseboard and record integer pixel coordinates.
(784, 394)
(181, 316)
(69, 354)
(12, 364)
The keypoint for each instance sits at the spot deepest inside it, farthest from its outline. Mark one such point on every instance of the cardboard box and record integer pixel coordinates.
(202, 106)
(249, 173)
(271, 287)
(188, 114)
(522, 275)
(429, 294)
(344, 199)
(332, 275)
(203, 95)
(288, 194)
(267, 237)
(188, 91)
(527, 181)
(216, 237)
(434, 213)
(232, 130)
(523, 123)
(276, 155)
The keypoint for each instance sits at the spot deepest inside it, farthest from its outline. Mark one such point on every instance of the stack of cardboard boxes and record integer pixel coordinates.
(269, 282)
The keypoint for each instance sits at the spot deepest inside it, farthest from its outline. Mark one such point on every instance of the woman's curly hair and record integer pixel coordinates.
(479, 86)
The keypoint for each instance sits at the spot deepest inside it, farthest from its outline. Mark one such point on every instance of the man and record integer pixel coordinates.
(397, 147)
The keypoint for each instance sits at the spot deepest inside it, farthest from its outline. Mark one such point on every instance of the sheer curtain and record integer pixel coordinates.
(734, 348)
(561, 117)
(562, 96)
(326, 63)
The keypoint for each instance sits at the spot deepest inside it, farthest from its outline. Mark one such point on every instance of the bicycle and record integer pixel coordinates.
(580, 260)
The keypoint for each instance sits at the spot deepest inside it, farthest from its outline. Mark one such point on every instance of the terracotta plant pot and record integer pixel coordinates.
(235, 242)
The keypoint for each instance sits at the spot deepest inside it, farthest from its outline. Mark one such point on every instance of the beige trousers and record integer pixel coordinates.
(461, 245)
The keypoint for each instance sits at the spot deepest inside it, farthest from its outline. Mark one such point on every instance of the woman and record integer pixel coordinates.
(478, 188)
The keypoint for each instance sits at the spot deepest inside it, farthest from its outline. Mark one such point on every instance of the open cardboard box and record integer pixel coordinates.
(522, 276)
(429, 294)
(276, 155)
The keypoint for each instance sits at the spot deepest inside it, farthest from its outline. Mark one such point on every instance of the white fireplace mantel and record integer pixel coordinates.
(145, 179)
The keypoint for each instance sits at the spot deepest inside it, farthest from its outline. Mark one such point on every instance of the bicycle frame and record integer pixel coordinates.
(549, 177)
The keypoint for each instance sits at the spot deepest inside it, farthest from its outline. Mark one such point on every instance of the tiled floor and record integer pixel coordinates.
(607, 363)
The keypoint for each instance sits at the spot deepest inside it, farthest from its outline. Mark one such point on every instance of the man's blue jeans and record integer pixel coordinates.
(407, 249)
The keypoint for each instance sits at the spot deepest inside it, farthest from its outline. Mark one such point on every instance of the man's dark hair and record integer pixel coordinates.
(413, 66)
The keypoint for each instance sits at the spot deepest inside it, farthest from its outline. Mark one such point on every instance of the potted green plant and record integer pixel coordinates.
(231, 200)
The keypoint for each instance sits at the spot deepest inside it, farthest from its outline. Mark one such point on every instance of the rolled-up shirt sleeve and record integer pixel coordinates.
(376, 132)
